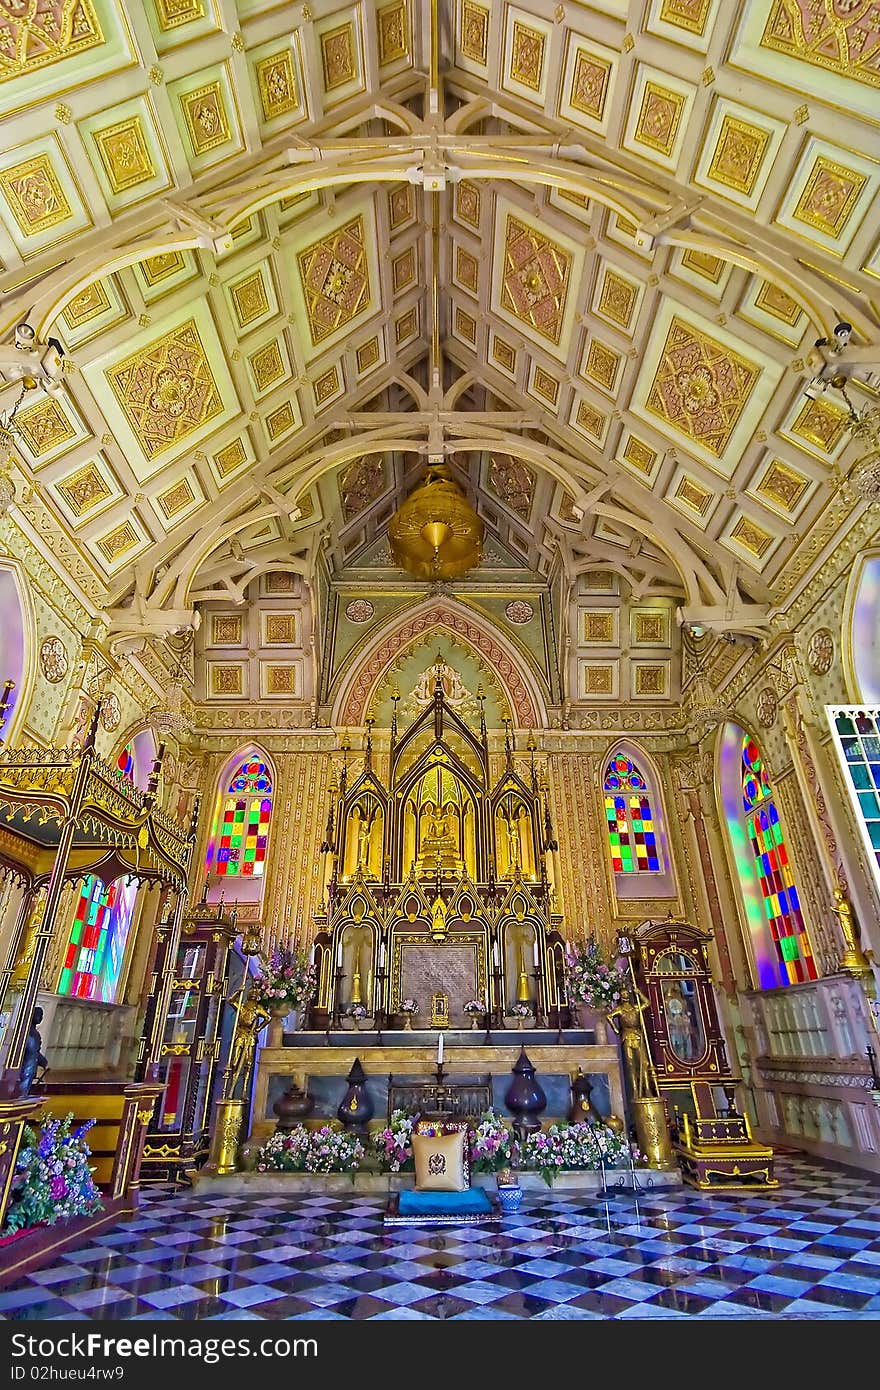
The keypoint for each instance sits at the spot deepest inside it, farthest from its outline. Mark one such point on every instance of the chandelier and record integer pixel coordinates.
(863, 482)
(435, 533)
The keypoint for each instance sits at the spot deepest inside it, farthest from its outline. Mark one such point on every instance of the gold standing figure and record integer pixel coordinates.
(250, 1018)
(626, 1020)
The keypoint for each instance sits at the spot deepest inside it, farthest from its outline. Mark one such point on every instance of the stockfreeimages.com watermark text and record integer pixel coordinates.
(95, 1345)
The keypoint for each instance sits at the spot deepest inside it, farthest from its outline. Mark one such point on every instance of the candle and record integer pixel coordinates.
(312, 954)
(535, 953)
(440, 1051)
(339, 956)
(382, 955)
(495, 954)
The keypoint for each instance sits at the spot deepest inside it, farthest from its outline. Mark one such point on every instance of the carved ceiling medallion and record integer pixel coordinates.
(335, 279)
(701, 386)
(54, 661)
(536, 278)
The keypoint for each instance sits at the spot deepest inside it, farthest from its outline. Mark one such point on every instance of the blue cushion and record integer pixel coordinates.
(468, 1203)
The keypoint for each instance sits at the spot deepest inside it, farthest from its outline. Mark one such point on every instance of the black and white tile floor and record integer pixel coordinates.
(809, 1248)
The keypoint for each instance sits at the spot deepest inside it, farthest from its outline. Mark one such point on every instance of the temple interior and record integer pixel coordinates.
(440, 658)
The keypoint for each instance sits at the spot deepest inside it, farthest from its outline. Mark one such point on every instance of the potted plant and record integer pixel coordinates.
(475, 1010)
(409, 1008)
(592, 979)
(285, 981)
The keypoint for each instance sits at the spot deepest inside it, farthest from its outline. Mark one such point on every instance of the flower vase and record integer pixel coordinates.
(474, 1023)
(407, 1023)
(510, 1198)
(277, 1015)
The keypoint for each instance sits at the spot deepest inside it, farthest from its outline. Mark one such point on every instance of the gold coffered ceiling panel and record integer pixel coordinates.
(166, 390)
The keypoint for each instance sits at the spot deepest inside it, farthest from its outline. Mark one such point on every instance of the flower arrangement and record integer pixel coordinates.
(520, 1010)
(490, 1144)
(393, 1144)
(592, 979)
(52, 1179)
(301, 1150)
(580, 1146)
(356, 1010)
(408, 1006)
(287, 977)
(474, 1007)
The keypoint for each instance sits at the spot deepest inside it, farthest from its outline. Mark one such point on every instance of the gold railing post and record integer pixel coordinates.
(166, 984)
(54, 888)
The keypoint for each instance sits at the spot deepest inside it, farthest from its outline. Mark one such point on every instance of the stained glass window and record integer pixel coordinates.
(241, 833)
(632, 833)
(858, 745)
(101, 922)
(125, 763)
(787, 958)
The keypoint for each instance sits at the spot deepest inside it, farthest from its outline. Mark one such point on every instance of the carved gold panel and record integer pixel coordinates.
(88, 304)
(171, 14)
(279, 679)
(37, 36)
(830, 196)
(598, 680)
(545, 385)
(617, 297)
(34, 195)
(268, 365)
(229, 459)
(335, 279)
(504, 354)
(526, 56)
(178, 498)
(227, 630)
(639, 455)
(207, 119)
(736, 158)
(658, 115)
(166, 390)
(589, 419)
(840, 38)
(599, 627)
(403, 270)
(124, 153)
(473, 32)
(535, 278)
(701, 386)
(368, 355)
(468, 203)
(276, 83)
(326, 387)
(401, 205)
(602, 365)
(818, 427)
(157, 268)
(782, 488)
(658, 118)
(225, 680)
(280, 629)
(467, 269)
(250, 298)
(85, 490)
(465, 326)
(118, 543)
(690, 15)
(650, 679)
(45, 427)
(338, 56)
(281, 422)
(649, 627)
(750, 537)
(703, 263)
(407, 326)
(392, 25)
(691, 496)
(588, 88)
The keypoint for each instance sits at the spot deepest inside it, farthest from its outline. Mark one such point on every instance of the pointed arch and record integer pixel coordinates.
(238, 845)
(639, 851)
(364, 674)
(777, 933)
(18, 656)
(135, 757)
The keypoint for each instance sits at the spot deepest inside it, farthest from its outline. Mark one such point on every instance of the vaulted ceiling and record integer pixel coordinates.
(583, 252)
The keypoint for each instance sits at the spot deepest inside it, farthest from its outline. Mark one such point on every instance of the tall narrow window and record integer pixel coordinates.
(632, 833)
(95, 951)
(779, 938)
(241, 829)
(857, 740)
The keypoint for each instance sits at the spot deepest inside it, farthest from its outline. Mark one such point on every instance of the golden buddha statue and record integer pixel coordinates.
(439, 842)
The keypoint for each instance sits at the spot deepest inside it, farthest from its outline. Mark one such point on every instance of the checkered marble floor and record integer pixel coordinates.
(809, 1249)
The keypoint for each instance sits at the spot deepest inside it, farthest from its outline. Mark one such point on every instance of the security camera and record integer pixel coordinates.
(50, 362)
(843, 333)
(816, 388)
(25, 336)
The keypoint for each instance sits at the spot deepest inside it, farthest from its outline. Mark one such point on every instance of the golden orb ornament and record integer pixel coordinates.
(435, 533)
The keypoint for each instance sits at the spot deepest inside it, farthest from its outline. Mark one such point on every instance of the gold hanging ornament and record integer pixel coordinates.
(435, 533)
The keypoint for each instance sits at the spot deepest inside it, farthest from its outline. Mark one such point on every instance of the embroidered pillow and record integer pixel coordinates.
(440, 1162)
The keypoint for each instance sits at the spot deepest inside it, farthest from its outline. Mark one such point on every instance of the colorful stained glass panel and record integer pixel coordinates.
(101, 921)
(858, 744)
(632, 837)
(241, 835)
